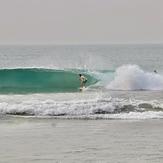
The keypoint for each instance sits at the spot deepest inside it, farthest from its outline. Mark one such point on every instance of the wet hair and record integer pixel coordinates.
(80, 74)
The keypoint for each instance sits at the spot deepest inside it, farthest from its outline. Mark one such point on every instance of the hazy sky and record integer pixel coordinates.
(81, 21)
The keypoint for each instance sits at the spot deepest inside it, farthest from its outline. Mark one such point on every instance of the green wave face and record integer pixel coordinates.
(40, 80)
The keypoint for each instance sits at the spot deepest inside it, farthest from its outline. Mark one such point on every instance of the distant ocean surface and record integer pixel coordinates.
(43, 81)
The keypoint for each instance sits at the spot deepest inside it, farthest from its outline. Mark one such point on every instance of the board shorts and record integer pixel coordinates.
(84, 81)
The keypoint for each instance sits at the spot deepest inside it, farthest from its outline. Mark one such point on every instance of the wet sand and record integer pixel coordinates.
(33, 140)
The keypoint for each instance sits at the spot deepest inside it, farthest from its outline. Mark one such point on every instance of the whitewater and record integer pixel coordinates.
(43, 81)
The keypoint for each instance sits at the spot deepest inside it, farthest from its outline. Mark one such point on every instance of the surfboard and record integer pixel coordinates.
(82, 88)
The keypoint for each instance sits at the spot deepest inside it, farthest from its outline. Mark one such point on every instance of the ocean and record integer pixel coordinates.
(44, 117)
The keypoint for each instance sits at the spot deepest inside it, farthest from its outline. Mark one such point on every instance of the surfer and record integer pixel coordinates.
(155, 71)
(83, 80)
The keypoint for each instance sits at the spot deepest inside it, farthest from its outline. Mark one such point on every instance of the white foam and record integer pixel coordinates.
(90, 108)
(132, 77)
(121, 116)
(137, 115)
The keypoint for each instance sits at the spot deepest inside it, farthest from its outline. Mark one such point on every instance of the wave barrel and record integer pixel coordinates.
(33, 80)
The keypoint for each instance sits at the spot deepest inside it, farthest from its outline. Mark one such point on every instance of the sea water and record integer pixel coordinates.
(39, 87)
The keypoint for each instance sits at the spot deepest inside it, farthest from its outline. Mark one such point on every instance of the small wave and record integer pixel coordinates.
(105, 108)
(132, 77)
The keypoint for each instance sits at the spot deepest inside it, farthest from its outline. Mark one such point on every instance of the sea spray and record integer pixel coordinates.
(132, 77)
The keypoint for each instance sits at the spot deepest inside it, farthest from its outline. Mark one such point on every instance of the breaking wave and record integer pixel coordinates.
(34, 80)
(132, 77)
(46, 82)
(98, 108)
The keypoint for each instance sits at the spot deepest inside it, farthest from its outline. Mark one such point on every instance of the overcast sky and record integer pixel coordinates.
(81, 21)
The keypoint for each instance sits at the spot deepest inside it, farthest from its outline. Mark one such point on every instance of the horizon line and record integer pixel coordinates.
(71, 44)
